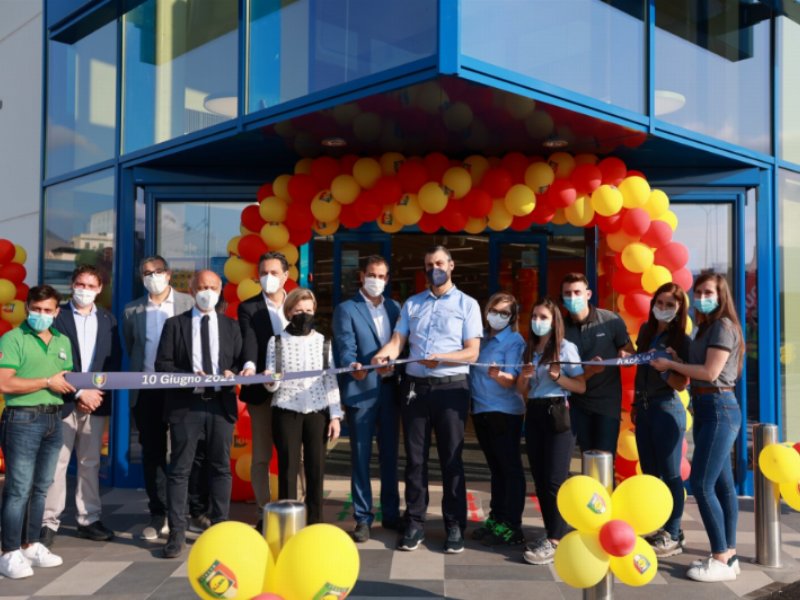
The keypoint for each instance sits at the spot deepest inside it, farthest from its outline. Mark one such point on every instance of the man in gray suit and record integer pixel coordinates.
(142, 322)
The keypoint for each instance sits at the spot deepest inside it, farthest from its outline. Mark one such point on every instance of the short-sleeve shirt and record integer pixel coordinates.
(722, 334)
(503, 348)
(542, 385)
(438, 324)
(648, 380)
(24, 351)
(601, 334)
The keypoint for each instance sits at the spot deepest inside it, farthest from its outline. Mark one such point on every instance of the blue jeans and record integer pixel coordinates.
(660, 424)
(717, 419)
(31, 441)
(594, 431)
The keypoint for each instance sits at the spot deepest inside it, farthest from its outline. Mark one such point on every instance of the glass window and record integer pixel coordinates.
(706, 229)
(298, 48)
(79, 224)
(713, 70)
(593, 47)
(789, 245)
(788, 52)
(750, 322)
(81, 101)
(180, 69)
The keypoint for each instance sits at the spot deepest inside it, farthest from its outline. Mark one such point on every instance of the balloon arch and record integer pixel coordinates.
(496, 193)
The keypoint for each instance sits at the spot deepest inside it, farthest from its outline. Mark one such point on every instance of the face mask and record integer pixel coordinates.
(575, 304)
(156, 283)
(301, 324)
(437, 277)
(497, 322)
(541, 328)
(666, 315)
(83, 297)
(374, 286)
(206, 300)
(706, 305)
(270, 284)
(39, 321)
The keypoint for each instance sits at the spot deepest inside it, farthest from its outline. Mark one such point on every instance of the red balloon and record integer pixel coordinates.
(673, 256)
(628, 377)
(453, 218)
(388, 189)
(523, 223)
(617, 537)
(264, 191)
(638, 304)
(686, 469)
(796, 446)
(683, 277)
(298, 237)
(349, 218)
(627, 400)
(587, 178)
(544, 211)
(7, 251)
(323, 170)
(562, 193)
(22, 292)
(496, 182)
(14, 272)
(429, 223)
(251, 247)
(635, 173)
(477, 203)
(290, 285)
(5, 327)
(232, 310)
(241, 490)
(251, 218)
(625, 282)
(658, 234)
(229, 293)
(303, 188)
(412, 175)
(515, 163)
(347, 162)
(610, 224)
(298, 216)
(613, 170)
(368, 206)
(624, 468)
(436, 164)
(636, 222)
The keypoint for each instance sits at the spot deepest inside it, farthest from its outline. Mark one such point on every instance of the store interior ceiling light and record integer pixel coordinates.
(223, 105)
(555, 142)
(334, 142)
(668, 102)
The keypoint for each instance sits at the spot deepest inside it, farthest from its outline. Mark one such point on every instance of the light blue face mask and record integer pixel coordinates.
(39, 321)
(706, 305)
(541, 328)
(574, 304)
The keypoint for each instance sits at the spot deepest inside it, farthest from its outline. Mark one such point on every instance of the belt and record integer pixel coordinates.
(47, 409)
(437, 380)
(546, 399)
(709, 389)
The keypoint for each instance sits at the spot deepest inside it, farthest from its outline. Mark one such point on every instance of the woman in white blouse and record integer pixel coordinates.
(306, 412)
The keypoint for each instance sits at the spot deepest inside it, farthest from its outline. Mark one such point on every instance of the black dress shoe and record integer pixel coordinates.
(174, 546)
(259, 527)
(96, 532)
(361, 532)
(47, 536)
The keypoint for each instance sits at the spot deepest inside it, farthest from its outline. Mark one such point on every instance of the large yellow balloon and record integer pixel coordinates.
(324, 207)
(657, 204)
(584, 503)
(580, 560)
(367, 171)
(559, 218)
(637, 568)
(499, 218)
(294, 273)
(790, 491)
(458, 180)
(562, 163)
(273, 208)
(580, 213)
(391, 162)
(14, 312)
(237, 270)
(780, 464)
(643, 501)
(654, 277)
(233, 245)
(243, 464)
(320, 561)
(635, 192)
(476, 165)
(291, 253)
(684, 398)
(626, 445)
(228, 560)
(607, 200)
(670, 218)
(475, 225)
(280, 187)
(345, 189)
(432, 198)
(325, 227)
(637, 257)
(303, 166)
(407, 210)
(539, 176)
(7, 291)
(247, 289)
(20, 256)
(619, 240)
(275, 235)
(387, 221)
(520, 200)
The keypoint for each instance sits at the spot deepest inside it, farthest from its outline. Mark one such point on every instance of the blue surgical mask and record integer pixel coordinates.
(39, 321)
(437, 277)
(706, 305)
(574, 304)
(541, 328)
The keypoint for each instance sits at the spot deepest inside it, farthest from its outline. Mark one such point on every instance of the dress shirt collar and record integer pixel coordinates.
(369, 301)
(271, 303)
(500, 336)
(196, 314)
(451, 289)
(170, 299)
(76, 311)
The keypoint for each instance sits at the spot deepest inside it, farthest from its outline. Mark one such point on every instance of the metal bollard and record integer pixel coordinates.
(767, 502)
(599, 465)
(282, 520)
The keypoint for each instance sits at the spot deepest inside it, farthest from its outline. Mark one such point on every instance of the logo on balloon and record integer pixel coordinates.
(331, 592)
(596, 504)
(219, 581)
(640, 563)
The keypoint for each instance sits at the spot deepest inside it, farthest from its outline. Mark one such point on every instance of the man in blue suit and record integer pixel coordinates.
(361, 327)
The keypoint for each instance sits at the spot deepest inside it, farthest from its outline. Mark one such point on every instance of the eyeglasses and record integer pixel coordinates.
(500, 313)
(156, 272)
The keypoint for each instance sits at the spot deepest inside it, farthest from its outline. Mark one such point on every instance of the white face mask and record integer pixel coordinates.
(497, 322)
(83, 297)
(666, 315)
(374, 286)
(270, 283)
(206, 300)
(156, 283)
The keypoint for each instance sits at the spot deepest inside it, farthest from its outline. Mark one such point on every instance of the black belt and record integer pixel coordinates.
(431, 381)
(709, 389)
(47, 409)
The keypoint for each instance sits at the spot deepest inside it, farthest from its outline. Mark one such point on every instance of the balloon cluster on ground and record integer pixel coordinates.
(242, 458)
(232, 560)
(780, 463)
(609, 529)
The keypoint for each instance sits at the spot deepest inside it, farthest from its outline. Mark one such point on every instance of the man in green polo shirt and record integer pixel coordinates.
(33, 360)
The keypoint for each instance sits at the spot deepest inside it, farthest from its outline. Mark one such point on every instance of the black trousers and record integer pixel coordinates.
(148, 414)
(441, 409)
(499, 435)
(549, 455)
(206, 421)
(297, 435)
(198, 482)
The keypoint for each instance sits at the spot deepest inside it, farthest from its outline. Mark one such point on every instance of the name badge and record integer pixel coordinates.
(62, 355)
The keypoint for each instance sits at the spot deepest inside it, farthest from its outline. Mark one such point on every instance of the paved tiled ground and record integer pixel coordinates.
(128, 568)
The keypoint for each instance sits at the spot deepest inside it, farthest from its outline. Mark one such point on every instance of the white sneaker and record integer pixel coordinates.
(14, 565)
(39, 556)
(711, 570)
(733, 562)
(540, 552)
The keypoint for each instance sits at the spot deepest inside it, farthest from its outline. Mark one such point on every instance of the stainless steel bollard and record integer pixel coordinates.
(767, 501)
(599, 465)
(282, 520)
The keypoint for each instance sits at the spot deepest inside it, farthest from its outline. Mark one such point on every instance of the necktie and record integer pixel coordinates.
(205, 344)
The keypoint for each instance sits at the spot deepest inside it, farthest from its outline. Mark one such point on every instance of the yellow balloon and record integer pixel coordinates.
(387, 221)
(559, 218)
(237, 270)
(607, 200)
(635, 192)
(499, 219)
(319, 561)
(520, 200)
(562, 163)
(670, 218)
(476, 165)
(7, 291)
(689, 325)
(643, 501)
(780, 464)
(790, 491)
(689, 421)
(432, 198)
(280, 187)
(324, 207)
(243, 464)
(391, 162)
(20, 256)
(637, 257)
(618, 240)
(273, 208)
(637, 568)
(684, 398)
(584, 503)
(345, 189)
(458, 181)
(367, 171)
(475, 225)
(294, 274)
(580, 561)
(325, 228)
(233, 244)
(247, 289)
(638, 468)
(275, 235)
(580, 213)
(14, 312)
(408, 211)
(539, 176)
(657, 204)
(243, 231)
(626, 445)
(303, 166)
(228, 560)
(654, 277)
